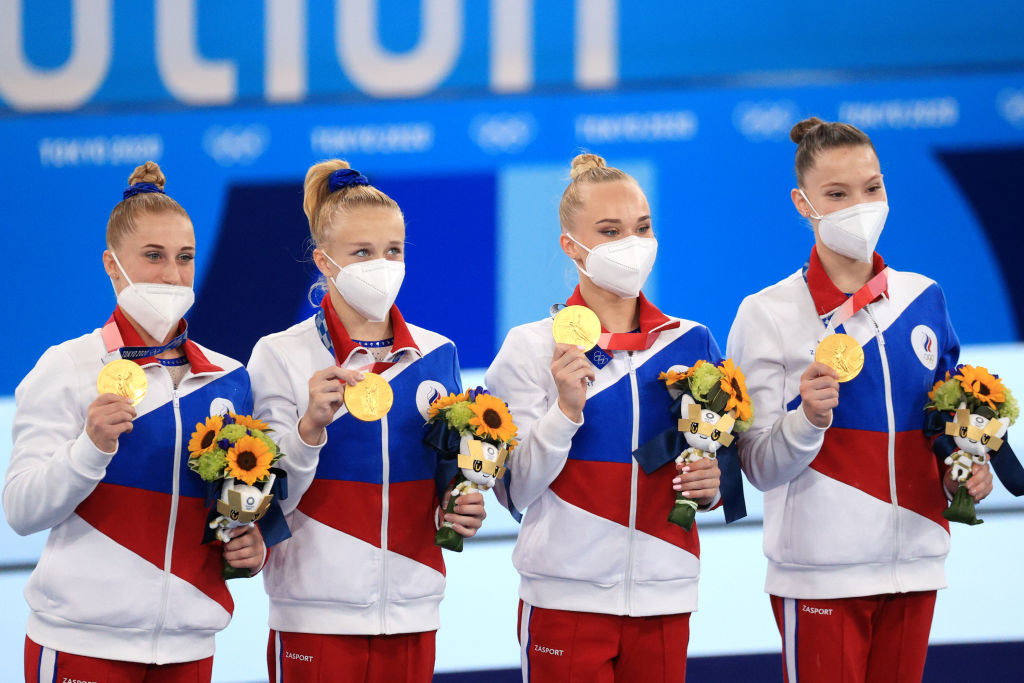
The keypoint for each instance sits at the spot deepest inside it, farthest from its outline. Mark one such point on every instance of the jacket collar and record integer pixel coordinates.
(126, 335)
(826, 296)
(344, 347)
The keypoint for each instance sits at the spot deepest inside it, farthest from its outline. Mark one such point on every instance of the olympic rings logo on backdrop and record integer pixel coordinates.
(236, 145)
(1010, 103)
(765, 120)
(505, 133)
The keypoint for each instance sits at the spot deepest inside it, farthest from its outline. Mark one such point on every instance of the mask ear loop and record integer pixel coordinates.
(589, 251)
(121, 268)
(816, 216)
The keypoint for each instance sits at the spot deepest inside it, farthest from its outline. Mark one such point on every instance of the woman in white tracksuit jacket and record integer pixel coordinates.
(606, 582)
(124, 589)
(853, 527)
(355, 592)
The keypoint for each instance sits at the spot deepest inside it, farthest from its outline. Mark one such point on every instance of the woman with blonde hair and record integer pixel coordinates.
(607, 583)
(124, 589)
(354, 593)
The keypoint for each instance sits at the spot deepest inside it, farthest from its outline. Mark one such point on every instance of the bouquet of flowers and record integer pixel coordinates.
(710, 403)
(234, 455)
(475, 428)
(977, 409)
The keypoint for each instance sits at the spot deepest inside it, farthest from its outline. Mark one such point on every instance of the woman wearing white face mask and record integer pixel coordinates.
(854, 534)
(124, 590)
(607, 583)
(354, 593)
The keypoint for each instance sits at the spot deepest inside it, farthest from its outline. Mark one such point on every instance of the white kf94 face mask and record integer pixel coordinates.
(622, 266)
(853, 231)
(370, 287)
(156, 307)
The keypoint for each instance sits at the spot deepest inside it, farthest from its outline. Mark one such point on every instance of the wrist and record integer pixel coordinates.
(576, 415)
(310, 432)
(819, 420)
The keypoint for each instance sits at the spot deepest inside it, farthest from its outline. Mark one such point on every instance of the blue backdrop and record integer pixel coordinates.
(479, 180)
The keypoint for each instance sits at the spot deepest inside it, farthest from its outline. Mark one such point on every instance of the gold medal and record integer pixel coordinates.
(842, 353)
(369, 400)
(576, 325)
(124, 378)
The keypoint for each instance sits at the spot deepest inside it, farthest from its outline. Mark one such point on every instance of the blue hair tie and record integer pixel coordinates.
(140, 188)
(345, 177)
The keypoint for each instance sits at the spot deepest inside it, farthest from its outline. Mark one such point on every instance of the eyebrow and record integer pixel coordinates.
(616, 221)
(160, 246)
(836, 183)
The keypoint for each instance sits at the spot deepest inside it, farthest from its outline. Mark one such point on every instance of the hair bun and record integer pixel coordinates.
(802, 128)
(148, 172)
(585, 162)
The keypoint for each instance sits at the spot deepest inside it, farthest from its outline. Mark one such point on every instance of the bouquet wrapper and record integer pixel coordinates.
(446, 537)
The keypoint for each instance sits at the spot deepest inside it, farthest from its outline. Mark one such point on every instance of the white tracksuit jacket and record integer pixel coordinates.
(854, 509)
(361, 559)
(595, 536)
(124, 574)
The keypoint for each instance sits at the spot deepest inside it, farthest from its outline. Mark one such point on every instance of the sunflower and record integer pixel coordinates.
(734, 384)
(491, 418)
(979, 383)
(444, 402)
(250, 422)
(249, 460)
(203, 439)
(671, 377)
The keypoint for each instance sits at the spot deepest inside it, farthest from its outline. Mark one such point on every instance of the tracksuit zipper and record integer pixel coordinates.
(385, 484)
(890, 416)
(628, 587)
(172, 522)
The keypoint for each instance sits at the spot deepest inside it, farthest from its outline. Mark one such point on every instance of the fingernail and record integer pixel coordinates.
(686, 469)
(677, 480)
(687, 494)
(678, 487)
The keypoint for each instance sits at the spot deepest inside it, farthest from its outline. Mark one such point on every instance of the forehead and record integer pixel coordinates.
(616, 199)
(375, 224)
(845, 165)
(168, 229)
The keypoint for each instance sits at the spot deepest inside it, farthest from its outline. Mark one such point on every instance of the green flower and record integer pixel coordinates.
(459, 415)
(742, 425)
(1010, 408)
(211, 465)
(705, 378)
(947, 396)
(232, 433)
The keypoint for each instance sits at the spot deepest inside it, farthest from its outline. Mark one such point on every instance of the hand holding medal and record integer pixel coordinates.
(326, 396)
(122, 386)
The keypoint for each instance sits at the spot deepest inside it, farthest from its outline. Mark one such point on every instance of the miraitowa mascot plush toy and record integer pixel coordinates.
(475, 429)
(710, 402)
(971, 409)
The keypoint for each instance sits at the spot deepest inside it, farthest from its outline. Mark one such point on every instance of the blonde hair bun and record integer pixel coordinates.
(802, 128)
(583, 163)
(148, 172)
